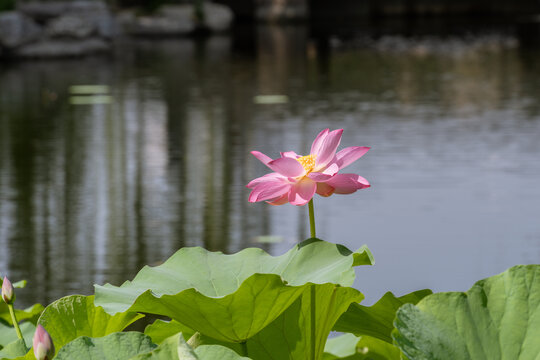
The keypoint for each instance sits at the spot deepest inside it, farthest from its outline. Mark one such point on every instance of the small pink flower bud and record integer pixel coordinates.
(7, 291)
(43, 344)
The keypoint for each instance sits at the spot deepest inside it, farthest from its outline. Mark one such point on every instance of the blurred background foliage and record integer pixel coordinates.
(7, 5)
(146, 5)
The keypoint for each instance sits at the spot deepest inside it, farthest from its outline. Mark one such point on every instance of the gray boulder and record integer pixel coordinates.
(60, 16)
(88, 6)
(43, 10)
(71, 26)
(17, 29)
(178, 12)
(97, 13)
(281, 10)
(157, 25)
(178, 20)
(62, 48)
(217, 17)
(169, 20)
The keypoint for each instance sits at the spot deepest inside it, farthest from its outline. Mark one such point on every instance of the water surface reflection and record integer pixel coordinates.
(92, 193)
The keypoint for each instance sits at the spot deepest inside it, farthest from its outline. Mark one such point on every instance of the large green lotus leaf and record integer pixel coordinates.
(13, 350)
(161, 330)
(232, 318)
(30, 314)
(115, 346)
(29, 356)
(183, 350)
(376, 320)
(8, 334)
(73, 316)
(351, 347)
(168, 350)
(498, 318)
(176, 348)
(341, 347)
(214, 352)
(221, 296)
(300, 333)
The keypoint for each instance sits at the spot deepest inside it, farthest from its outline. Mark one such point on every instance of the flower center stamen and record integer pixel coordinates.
(307, 162)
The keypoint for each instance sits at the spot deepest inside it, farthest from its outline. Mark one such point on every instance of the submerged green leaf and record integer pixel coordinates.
(376, 320)
(498, 318)
(115, 346)
(72, 316)
(221, 296)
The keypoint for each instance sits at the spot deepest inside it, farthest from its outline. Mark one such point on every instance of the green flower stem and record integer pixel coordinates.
(15, 323)
(313, 305)
(244, 348)
(311, 219)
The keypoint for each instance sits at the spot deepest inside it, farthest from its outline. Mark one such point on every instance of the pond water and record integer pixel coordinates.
(92, 188)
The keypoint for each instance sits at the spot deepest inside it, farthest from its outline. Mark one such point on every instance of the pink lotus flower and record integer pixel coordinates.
(43, 344)
(297, 178)
(7, 291)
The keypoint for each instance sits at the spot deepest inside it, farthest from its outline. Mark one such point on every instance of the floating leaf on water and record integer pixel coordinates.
(270, 99)
(89, 89)
(20, 284)
(269, 239)
(91, 100)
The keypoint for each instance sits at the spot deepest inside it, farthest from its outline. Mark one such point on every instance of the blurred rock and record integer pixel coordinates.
(181, 12)
(62, 48)
(71, 26)
(97, 13)
(177, 20)
(17, 29)
(88, 6)
(63, 16)
(281, 10)
(169, 20)
(43, 11)
(217, 17)
(154, 25)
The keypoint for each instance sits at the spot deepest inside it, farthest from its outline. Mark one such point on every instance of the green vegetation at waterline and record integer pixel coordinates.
(251, 305)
